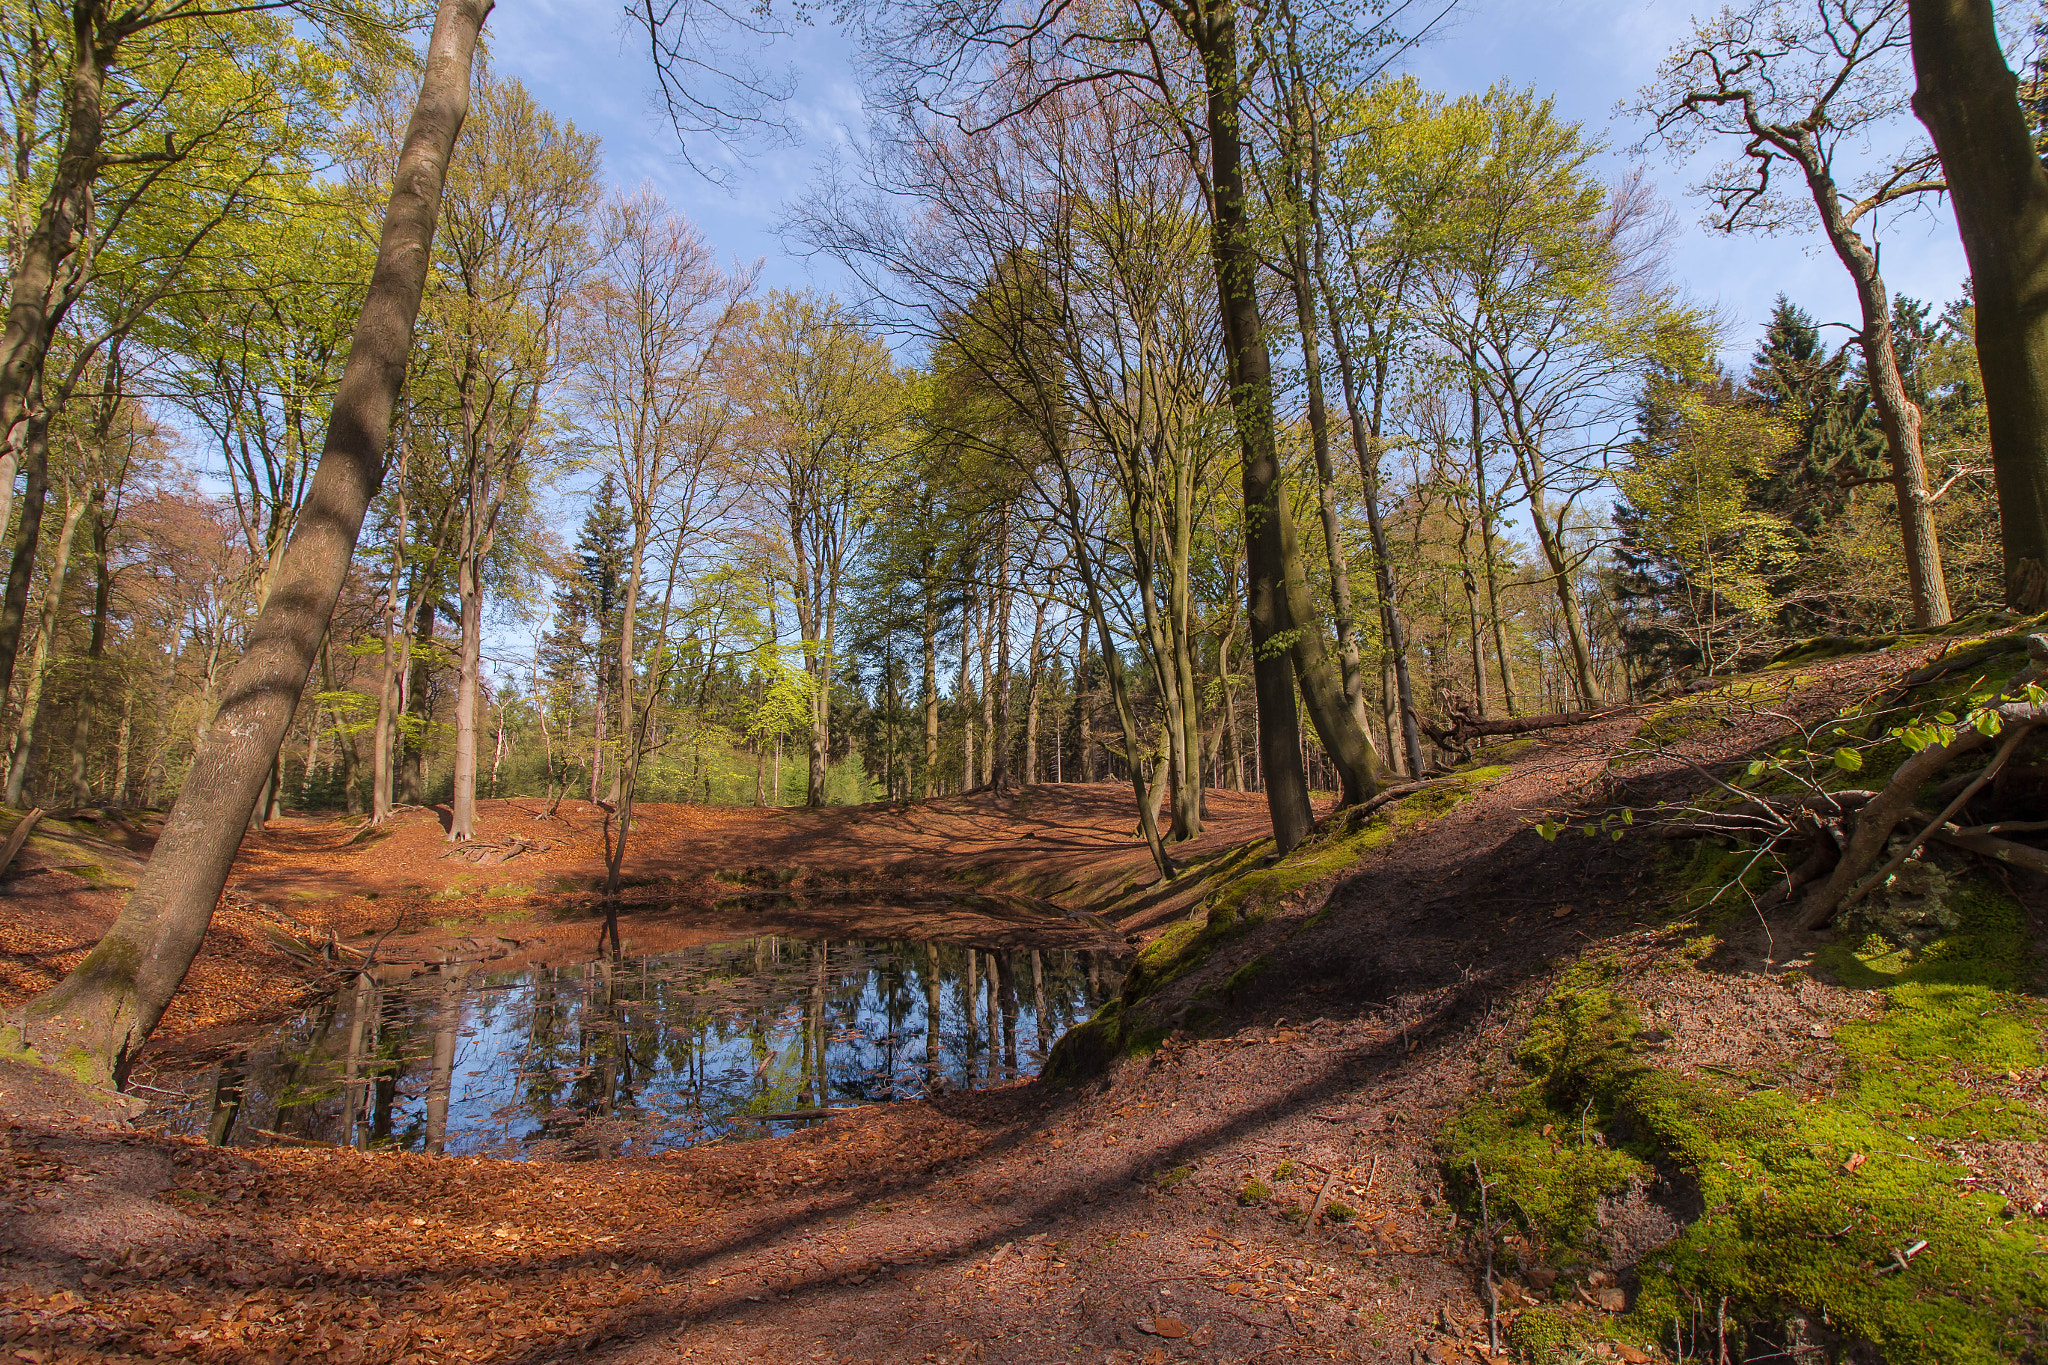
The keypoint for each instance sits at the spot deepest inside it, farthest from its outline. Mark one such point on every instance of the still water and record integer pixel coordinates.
(643, 1054)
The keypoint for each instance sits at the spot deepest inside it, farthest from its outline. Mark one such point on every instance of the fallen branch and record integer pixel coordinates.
(1390, 795)
(1465, 726)
(1315, 1210)
(1817, 865)
(2007, 851)
(1875, 822)
(15, 840)
(2013, 739)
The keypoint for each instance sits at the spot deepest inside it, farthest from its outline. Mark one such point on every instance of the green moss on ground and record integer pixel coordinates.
(1806, 1202)
(1342, 844)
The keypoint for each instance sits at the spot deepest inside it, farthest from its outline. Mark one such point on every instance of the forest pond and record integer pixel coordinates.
(608, 1058)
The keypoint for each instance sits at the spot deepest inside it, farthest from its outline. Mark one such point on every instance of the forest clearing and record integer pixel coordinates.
(1191, 681)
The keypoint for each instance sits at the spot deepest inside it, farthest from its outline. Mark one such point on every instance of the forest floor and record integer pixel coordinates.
(1260, 1168)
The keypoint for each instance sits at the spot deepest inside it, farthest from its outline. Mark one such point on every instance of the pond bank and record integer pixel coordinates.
(311, 897)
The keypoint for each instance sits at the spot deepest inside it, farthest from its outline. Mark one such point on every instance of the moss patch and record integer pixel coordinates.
(1805, 1202)
(1342, 844)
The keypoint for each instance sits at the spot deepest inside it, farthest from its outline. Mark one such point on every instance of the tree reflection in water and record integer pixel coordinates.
(643, 1054)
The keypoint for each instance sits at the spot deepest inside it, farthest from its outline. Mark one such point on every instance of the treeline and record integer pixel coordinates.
(1442, 437)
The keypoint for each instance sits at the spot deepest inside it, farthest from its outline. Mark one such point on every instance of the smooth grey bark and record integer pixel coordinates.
(1969, 99)
(39, 663)
(94, 1022)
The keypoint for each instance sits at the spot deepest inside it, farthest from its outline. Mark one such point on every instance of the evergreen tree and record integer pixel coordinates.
(579, 656)
(1813, 393)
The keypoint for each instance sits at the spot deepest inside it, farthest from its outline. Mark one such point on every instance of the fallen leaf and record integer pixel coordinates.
(1634, 1355)
(1855, 1160)
(1170, 1328)
(1609, 1300)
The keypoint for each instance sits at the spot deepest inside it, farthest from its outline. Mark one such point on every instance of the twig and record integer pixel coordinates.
(1492, 1295)
(1315, 1210)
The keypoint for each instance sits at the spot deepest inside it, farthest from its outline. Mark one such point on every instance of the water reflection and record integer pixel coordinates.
(640, 1055)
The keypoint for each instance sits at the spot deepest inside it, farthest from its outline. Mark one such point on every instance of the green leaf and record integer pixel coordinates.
(1756, 769)
(1848, 760)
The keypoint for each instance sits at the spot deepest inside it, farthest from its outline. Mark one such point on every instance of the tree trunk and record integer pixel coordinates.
(1968, 98)
(999, 720)
(122, 739)
(1229, 690)
(412, 748)
(1112, 665)
(1365, 442)
(462, 800)
(990, 739)
(382, 754)
(39, 664)
(1031, 691)
(1550, 539)
(966, 694)
(38, 296)
(1897, 414)
(928, 778)
(1307, 316)
(627, 773)
(94, 1022)
(95, 649)
(35, 436)
(1469, 581)
(1212, 31)
(1084, 736)
(1492, 563)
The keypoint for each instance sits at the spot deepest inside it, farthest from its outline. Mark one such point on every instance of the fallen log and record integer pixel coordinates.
(22, 830)
(1466, 727)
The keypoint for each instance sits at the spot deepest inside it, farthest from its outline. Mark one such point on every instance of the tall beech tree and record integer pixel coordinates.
(94, 1022)
(824, 406)
(137, 130)
(1969, 99)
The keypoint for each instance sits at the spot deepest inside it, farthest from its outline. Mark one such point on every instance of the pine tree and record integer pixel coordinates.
(579, 656)
(1825, 405)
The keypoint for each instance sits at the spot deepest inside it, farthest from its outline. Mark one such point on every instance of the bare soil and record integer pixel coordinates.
(1183, 1207)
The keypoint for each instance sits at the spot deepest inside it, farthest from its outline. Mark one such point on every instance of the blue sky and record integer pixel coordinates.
(1590, 54)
